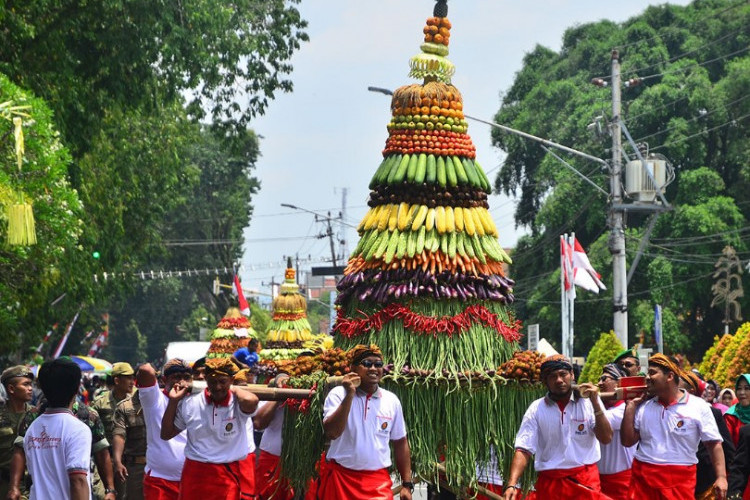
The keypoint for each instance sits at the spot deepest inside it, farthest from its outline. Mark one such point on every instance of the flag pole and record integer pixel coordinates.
(571, 304)
(563, 296)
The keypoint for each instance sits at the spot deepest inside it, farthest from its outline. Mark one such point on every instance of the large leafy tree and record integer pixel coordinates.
(692, 106)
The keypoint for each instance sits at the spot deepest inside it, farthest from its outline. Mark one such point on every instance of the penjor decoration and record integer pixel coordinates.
(427, 280)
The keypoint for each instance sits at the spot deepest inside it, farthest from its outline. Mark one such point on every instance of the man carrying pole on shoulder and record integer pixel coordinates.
(164, 459)
(217, 438)
(668, 428)
(562, 431)
(362, 419)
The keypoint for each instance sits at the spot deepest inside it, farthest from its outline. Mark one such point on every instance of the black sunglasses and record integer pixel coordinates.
(627, 364)
(369, 364)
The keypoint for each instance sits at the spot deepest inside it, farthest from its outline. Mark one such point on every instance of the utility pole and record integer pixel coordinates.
(342, 227)
(329, 233)
(617, 214)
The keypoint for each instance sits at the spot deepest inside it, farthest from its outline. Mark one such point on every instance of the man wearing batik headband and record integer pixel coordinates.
(614, 466)
(164, 459)
(668, 427)
(705, 477)
(217, 441)
(361, 419)
(562, 431)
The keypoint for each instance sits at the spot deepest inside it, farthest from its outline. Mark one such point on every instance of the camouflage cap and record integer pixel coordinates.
(16, 371)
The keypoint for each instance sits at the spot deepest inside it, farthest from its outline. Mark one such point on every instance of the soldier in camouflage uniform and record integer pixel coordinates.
(129, 446)
(99, 448)
(124, 377)
(18, 384)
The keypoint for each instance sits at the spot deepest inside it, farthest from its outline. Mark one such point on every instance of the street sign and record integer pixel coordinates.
(328, 271)
(533, 337)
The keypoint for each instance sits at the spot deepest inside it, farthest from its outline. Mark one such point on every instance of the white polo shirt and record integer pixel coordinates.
(670, 435)
(216, 433)
(616, 457)
(374, 421)
(164, 459)
(56, 444)
(271, 440)
(559, 439)
(489, 473)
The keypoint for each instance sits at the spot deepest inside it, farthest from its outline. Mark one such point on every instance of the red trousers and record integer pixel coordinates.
(156, 488)
(339, 483)
(662, 482)
(579, 483)
(267, 482)
(616, 485)
(232, 481)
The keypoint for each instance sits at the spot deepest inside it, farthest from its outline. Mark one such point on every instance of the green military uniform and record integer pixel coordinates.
(88, 416)
(105, 406)
(129, 423)
(9, 425)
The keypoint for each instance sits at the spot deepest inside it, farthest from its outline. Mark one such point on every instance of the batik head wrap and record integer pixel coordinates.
(360, 352)
(175, 365)
(665, 363)
(221, 366)
(554, 363)
(613, 371)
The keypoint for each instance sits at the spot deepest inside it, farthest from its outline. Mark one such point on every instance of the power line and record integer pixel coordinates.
(683, 68)
(683, 139)
(190, 243)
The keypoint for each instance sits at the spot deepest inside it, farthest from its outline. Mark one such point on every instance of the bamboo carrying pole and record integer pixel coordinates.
(266, 393)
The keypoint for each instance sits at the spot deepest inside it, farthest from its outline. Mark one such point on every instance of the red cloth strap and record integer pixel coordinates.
(267, 479)
(337, 483)
(616, 485)
(675, 482)
(157, 488)
(580, 483)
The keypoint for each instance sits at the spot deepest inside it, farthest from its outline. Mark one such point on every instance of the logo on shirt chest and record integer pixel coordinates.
(229, 427)
(384, 423)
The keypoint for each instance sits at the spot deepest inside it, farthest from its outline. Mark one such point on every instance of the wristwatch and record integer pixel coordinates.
(107, 491)
(408, 484)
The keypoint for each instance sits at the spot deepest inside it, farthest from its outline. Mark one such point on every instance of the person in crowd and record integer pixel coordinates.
(739, 413)
(562, 431)
(727, 397)
(628, 362)
(705, 477)
(711, 395)
(57, 445)
(164, 459)
(270, 418)
(247, 357)
(103, 484)
(124, 383)
(617, 460)
(129, 445)
(108, 385)
(18, 382)
(739, 471)
(667, 428)
(199, 369)
(217, 437)
(362, 420)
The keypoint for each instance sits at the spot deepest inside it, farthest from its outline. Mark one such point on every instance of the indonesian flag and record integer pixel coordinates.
(64, 340)
(576, 264)
(100, 341)
(244, 306)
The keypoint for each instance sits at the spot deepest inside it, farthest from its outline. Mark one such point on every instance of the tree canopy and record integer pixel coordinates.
(692, 106)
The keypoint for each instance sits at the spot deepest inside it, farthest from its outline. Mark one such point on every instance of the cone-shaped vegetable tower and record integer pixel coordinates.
(289, 328)
(233, 332)
(426, 282)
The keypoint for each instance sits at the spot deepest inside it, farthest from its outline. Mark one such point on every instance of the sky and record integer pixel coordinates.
(327, 135)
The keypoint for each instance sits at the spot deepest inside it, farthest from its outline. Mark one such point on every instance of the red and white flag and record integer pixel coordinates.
(576, 264)
(100, 342)
(64, 340)
(244, 306)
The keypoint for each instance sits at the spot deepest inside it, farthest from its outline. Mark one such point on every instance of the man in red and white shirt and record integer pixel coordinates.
(667, 428)
(362, 420)
(216, 422)
(563, 431)
(164, 459)
(270, 419)
(617, 460)
(57, 445)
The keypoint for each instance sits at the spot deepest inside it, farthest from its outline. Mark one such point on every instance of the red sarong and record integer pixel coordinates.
(616, 485)
(497, 489)
(157, 488)
(338, 483)
(662, 482)
(203, 481)
(579, 483)
(267, 481)
(247, 477)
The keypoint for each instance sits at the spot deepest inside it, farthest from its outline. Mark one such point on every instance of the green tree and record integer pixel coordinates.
(692, 107)
(604, 351)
